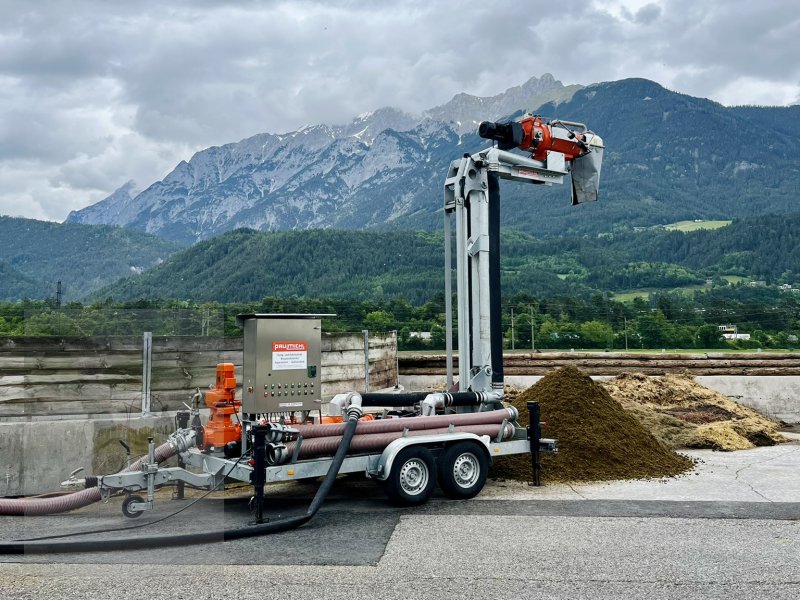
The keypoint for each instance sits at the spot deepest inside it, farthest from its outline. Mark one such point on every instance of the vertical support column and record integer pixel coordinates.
(534, 435)
(147, 364)
(448, 300)
(462, 286)
(366, 360)
(480, 291)
(494, 282)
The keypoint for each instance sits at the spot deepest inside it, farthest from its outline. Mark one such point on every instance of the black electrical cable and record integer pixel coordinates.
(140, 525)
(286, 524)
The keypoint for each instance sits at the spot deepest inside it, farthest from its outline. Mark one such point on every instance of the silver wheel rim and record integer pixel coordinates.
(414, 477)
(466, 470)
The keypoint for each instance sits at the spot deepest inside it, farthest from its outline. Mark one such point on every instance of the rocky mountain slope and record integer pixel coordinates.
(669, 157)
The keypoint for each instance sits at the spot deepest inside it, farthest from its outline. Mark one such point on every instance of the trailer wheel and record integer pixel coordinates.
(463, 469)
(126, 506)
(413, 477)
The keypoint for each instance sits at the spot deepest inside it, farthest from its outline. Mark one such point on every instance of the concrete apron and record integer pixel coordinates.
(774, 396)
(37, 455)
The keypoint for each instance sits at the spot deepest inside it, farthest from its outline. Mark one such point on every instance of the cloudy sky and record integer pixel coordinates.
(94, 93)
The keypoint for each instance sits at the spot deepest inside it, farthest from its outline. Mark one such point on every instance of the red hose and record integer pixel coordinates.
(18, 507)
(412, 423)
(322, 446)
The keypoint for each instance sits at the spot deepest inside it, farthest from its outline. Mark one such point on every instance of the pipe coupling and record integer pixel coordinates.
(182, 440)
(354, 410)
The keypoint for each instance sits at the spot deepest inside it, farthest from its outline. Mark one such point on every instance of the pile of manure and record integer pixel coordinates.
(684, 414)
(598, 439)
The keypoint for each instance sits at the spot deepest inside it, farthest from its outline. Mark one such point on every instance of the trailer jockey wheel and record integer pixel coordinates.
(463, 469)
(413, 477)
(126, 506)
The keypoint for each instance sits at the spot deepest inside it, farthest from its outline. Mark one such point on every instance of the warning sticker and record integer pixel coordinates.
(287, 356)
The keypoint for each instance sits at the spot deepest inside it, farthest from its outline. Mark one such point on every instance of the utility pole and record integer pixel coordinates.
(625, 320)
(58, 294)
(533, 330)
(512, 328)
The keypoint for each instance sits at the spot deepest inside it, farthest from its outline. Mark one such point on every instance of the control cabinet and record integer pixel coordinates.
(281, 363)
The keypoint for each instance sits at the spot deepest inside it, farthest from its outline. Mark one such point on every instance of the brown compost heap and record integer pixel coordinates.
(684, 414)
(598, 439)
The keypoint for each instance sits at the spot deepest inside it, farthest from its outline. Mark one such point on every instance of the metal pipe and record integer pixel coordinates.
(441, 400)
(411, 423)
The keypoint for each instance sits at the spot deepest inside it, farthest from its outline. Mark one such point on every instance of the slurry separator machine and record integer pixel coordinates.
(408, 441)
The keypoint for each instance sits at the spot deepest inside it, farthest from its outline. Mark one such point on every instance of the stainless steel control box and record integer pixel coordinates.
(281, 363)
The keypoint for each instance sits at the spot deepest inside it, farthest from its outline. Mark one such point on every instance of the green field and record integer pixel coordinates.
(629, 295)
(695, 225)
(735, 278)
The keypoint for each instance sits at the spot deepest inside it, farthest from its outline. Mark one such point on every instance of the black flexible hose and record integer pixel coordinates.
(389, 400)
(161, 541)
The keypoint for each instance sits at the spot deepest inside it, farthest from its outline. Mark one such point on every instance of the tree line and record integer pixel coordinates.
(666, 320)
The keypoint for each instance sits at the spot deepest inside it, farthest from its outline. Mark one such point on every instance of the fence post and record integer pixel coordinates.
(147, 364)
(366, 360)
(397, 363)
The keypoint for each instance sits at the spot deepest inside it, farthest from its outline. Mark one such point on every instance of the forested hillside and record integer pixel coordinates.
(35, 255)
(245, 265)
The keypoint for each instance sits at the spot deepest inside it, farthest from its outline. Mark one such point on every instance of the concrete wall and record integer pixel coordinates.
(37, 455)
(65, 402)
(775, 396)
(42, 376)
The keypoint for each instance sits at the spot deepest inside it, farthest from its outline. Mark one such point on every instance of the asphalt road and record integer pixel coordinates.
(594, 542)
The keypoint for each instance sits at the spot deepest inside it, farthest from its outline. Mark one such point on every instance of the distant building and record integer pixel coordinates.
(425, 336)
(758, 283)
(731, 332)
(736, 336)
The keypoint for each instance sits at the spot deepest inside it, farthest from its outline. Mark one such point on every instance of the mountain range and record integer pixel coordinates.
(669, 157)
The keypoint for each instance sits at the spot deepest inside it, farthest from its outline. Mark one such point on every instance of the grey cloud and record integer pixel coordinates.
(647, 14)
(94, 93)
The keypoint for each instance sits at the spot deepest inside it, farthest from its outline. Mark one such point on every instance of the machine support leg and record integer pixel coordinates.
(152, 467)
(258, 477)
(182, 421)
(534, 435)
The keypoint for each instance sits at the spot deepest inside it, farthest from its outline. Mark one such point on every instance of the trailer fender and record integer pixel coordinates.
(384, 466)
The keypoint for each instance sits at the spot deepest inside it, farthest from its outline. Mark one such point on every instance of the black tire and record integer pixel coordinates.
(126, 506)
(413, 477)
(463, 469)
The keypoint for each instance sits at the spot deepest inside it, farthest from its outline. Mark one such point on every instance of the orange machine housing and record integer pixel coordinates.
(539, 140)
(221, 399)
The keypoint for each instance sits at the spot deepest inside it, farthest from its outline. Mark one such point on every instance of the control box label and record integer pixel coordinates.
(287, 356)
(290, 404)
